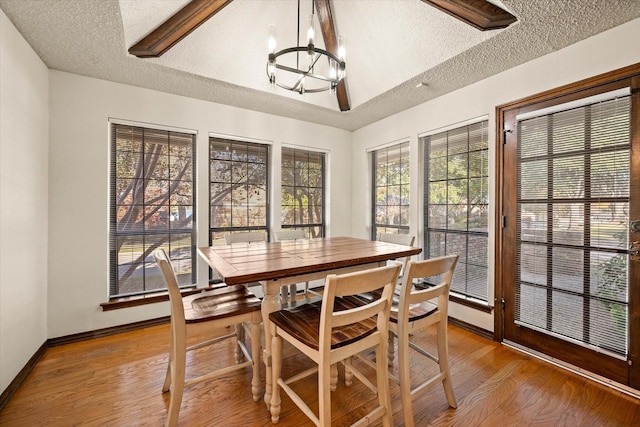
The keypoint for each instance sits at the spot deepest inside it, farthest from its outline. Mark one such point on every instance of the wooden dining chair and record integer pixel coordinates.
(416, 312)
(398, 239)
(219, 308)
(292, 235)
(245, 237)
(332, 329)
(418, 309)
(405, 240)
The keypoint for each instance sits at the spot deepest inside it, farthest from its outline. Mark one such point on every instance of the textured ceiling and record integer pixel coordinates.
(392, 45)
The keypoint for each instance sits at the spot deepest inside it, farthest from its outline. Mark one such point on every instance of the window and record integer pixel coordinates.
(456, 204)
(238, 187)
(303, 191)
(390, 190)
(152, 205)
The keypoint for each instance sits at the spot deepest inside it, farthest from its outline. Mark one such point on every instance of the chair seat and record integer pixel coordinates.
(416, 311)
(303, 323)
(219, 303)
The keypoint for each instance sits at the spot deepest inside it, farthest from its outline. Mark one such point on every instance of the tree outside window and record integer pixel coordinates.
(302, 205)
(391, 190)
(238, 187)
(456, 204)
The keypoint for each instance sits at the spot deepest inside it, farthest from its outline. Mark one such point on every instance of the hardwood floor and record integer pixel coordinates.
(117, 380)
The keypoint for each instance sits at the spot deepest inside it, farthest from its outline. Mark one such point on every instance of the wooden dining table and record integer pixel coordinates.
(279, 264)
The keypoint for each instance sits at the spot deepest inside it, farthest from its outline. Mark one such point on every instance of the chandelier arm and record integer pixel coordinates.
(306, 49)
(296, 86)
(315, 59)
(317, 90)
(304, 73)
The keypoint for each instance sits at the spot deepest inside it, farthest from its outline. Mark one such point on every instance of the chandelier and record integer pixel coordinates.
(307, 68)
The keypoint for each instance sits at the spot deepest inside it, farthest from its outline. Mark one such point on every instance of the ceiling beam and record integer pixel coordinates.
(323, 8)
(177, 27)
(478, 13)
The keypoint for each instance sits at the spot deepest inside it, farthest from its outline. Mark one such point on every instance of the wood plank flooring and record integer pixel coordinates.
(117, 380)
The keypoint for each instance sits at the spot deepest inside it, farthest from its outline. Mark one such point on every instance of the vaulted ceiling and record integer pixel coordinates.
(392, 46)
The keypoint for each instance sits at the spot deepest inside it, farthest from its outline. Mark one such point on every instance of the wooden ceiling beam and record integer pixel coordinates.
(323, 9)
(177, 27)
(478, 13)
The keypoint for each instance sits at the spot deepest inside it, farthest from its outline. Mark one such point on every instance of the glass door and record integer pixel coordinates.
(571, 196)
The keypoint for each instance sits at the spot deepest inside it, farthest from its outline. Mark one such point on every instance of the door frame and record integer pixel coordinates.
(505, 113)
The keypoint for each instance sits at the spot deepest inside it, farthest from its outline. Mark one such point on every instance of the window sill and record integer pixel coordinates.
(156, 297)
(468, 302)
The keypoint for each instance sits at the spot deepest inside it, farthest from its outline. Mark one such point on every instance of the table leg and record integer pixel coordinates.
(270, 303)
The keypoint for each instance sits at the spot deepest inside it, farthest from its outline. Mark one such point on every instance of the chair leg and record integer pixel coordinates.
(167, 378)
(443, 357)
(284, 294)
(382, 374)
(390, 352)
(348, 371)
(333, 381)
(324, 393)
(405, 380)
(255, 355)
(276, 372)
(240, 337)
(177, 380)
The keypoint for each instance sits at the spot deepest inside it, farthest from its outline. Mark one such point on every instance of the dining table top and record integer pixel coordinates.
(239, 264)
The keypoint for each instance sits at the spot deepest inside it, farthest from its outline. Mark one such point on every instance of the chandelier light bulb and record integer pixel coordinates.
(271, 41)
(311, 32)
(342, 48)
(333, 69)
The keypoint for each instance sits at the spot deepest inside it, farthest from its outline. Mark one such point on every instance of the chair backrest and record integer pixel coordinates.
(246, 237)
(169, 275)
(357, 283)
(442, 268)
(283, 235)
(398, 239)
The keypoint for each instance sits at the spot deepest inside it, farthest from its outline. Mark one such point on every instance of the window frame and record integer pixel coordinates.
(297, 225)
(377, 228)
(115, 291)
(267, 184)
(459, 295)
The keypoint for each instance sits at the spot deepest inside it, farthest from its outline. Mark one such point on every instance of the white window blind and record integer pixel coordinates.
(152, 206)
(456, 203)
(302, 200)
(391, 190)
(238, 187)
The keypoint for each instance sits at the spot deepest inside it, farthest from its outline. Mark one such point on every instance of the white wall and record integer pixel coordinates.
(604, 52)
(24, 126)
(79, 174)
